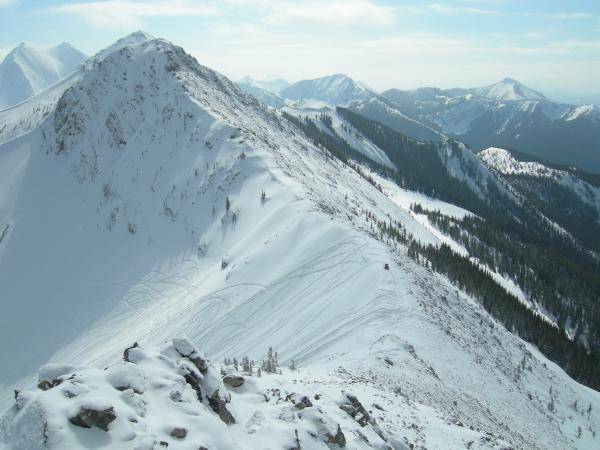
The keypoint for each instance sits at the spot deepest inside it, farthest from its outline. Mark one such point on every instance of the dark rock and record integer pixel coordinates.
(16, 393)
(126, 352)
(44, 385)
(233, 381)
(355, 409)
(303, 402)
(338, 438)
(299, 401)
(89, 417)
(218, 403)
(296, 445)
(193, 381)
(179, 433)
(187, 350)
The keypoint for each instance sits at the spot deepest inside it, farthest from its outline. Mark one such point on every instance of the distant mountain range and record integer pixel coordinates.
(28, 70)
(509, 114)
(505, 114)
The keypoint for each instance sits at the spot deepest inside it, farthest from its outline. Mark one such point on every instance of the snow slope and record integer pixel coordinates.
(28, 70)
(134, 213)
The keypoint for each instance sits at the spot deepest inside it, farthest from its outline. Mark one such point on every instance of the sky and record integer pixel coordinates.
(550, 45)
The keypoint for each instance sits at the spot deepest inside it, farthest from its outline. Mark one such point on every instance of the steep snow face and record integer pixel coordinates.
(134, 212)
(332, 90)
(345, 131)
(464, 165)
(29, 70)
(508, 89)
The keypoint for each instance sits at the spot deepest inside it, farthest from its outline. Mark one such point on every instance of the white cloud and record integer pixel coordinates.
(337, 13)
(7, 2)
(564, 15)
(130, 13)
(448, 9)
(238, 30)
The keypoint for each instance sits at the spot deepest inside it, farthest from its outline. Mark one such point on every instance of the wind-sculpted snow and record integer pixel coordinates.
(136, 212)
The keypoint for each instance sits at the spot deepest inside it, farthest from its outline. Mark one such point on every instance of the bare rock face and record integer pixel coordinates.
(301, 401)
(179, 433)
(233, 381)
(338, 438)
(186, 349)
(218, 403)
(354, 408)
(89, 417)
(52, 375)
(126, 352)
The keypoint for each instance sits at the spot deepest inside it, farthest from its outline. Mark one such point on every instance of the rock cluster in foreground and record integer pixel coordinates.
(173, 397)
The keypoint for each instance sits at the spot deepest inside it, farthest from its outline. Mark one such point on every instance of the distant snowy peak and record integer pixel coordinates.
(266, 96)
(272, 84)
(28, 70)
(508, 89)
(338, 89)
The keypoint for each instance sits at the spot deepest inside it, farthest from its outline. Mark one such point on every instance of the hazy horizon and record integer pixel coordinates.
(551, 46)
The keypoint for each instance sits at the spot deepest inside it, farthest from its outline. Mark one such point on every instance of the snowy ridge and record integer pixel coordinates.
(146, 181)
(504, 162)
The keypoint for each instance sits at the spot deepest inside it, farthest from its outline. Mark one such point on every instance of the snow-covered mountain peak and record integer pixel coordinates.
(135, 38)
(28, 70)
(272, 83)
(508, 89)
(333, 90)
